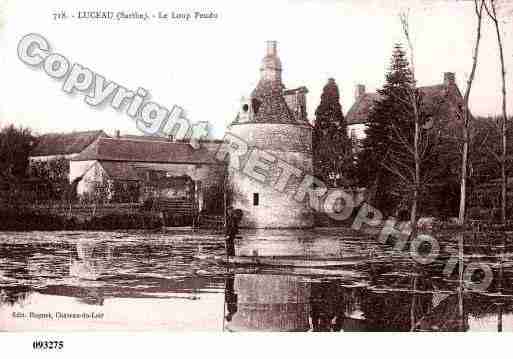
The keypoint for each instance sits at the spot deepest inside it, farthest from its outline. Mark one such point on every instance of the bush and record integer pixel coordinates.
(16, 219)
(124, 221)
(178, 220)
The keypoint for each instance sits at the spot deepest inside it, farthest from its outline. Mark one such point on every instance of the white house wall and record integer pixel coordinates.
(94, 173)
(357, 130)
(78, 168)
(52, 157)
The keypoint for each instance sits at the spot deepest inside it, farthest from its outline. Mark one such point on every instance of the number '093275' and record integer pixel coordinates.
(48, 344)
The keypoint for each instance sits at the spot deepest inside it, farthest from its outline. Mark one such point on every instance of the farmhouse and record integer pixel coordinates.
(134, 169)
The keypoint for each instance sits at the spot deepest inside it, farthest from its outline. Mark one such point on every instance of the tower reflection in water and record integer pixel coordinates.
(259, 302)
(276, 302)
(272, 302)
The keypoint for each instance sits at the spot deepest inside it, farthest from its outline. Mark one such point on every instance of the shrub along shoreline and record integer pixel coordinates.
(26, 219)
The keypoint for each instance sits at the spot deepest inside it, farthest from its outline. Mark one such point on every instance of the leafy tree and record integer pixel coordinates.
(333, 162)
(52, 177)
(99, 192)
(15, 146)
(56, 169)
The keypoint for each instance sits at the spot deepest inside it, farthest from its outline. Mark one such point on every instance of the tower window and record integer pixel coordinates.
(256, 105)
(256, 199)
(245, 107)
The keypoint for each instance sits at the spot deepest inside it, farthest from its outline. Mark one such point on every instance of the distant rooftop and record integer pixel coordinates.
(432, 95)
(140, 150)
(359, 112)
(52, 144)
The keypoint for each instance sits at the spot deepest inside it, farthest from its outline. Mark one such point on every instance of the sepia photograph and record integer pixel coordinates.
(263, 166)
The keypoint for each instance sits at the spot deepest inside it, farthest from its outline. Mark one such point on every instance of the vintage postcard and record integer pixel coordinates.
(263, 166)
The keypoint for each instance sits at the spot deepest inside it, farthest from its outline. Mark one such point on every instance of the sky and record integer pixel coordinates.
(206, 66)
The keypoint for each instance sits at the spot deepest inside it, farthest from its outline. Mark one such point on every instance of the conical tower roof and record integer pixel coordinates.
(269, 105)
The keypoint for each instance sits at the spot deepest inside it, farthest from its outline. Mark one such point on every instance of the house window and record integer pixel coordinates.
(255, 199)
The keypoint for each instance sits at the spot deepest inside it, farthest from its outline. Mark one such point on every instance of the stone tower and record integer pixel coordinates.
(273, 119)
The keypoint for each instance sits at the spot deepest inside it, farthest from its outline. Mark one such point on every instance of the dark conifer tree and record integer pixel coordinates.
(390, 114)
(331, 146)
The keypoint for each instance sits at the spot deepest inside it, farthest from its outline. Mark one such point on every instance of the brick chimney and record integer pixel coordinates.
(271, 48)
(118, 134)
(449, 79)
(359, 90)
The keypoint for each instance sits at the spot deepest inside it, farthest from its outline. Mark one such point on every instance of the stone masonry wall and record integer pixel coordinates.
(275, 209)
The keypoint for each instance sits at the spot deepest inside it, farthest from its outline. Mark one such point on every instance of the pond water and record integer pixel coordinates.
(69, 281)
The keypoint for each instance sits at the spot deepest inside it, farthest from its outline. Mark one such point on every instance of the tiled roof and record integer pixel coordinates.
(271, 105)
(433, 97)
(65, 143)
(144, 138)
(359, 112)
(274, 109)
(112, 149)
(209, 143)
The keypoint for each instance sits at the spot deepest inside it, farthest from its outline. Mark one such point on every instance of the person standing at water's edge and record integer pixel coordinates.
(233, 219)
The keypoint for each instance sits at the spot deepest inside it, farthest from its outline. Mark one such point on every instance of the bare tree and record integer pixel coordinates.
(491, 9)
(409, 158)
(414, 101)
(478, 7)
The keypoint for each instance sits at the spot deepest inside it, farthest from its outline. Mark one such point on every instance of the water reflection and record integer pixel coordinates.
(93, 259)
(144, 281)
(268, 303)
(273, 302)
